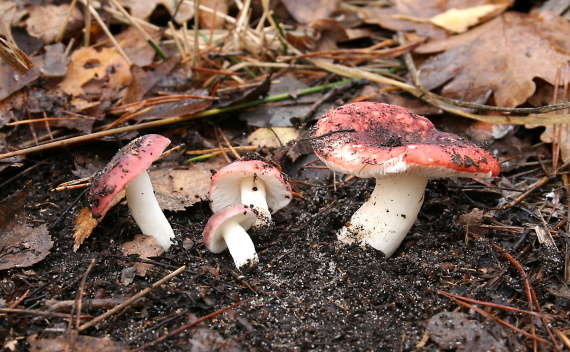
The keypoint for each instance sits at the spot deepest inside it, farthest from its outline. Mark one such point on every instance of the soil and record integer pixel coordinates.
(307, 293)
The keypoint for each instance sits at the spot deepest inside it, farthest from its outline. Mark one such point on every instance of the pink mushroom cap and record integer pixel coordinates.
(225, 190)
(369, 139)
(129, 162)
(242, 214)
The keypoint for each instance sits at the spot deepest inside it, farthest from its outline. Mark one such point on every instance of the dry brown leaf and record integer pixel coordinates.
(85, 222)
(384, 16)
(304, 11)
(145, 247)
(137, 48)
(178, 189)
(89, 64)
(45, 21)
(74, 342)
(20, 245)
(143, 9)
(210, 20)
(501, 57)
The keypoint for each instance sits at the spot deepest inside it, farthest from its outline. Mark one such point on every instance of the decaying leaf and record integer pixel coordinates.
(85, 222)
(89, 64)
(20, 244)
(459, 20)
(213, 20)
(145, 247)
(74, 342)
(511, 50)
(393, 17)
(178, 189)
(272, 137)
(304, 11)
(143, 9)
(45, 21)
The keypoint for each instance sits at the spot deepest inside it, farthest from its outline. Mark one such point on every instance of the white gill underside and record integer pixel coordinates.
(384, 220)
(254, 193)
(146, 211)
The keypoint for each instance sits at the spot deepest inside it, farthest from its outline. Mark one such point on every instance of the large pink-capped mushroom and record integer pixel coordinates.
(127, 171)
(256, 183)
(401, 151)
(227, 229)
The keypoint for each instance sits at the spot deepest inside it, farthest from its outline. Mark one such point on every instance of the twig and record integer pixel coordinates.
(543, 181)
(132, 299)
(80, 292)
(189, 325)
(40, 313)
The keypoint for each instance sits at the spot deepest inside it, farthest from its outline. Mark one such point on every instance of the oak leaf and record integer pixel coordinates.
(501, 58)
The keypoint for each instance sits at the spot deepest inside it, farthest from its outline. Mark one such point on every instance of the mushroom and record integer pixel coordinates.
(256, 183)
(401, 150)
(127, 170)
(227, 229)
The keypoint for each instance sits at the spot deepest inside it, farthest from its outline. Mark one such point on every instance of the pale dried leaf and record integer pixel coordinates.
(272, 137)
(145, 247)
(45, 21)
(143, 9)
(74, 342)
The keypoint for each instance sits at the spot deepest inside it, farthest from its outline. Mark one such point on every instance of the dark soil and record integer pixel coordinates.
(306, 293)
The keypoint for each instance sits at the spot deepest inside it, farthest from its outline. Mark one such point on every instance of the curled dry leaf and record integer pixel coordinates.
(145, 247)
(304, 11)
(20, 244)
(143, 9)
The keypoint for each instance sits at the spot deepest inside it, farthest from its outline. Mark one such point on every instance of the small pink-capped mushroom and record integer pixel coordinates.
(401, 151)
(127, 170)
(227, 229)
(256, 183)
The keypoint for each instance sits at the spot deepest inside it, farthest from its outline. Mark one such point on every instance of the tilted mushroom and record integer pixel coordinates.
(256, 183)
(127, 170)
(401, 150)
(227, 229)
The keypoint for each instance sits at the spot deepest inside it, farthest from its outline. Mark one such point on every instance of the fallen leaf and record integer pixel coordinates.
(85, 222)
(45, 21)
(384, 16)
(143, 9)
(210, 20)
(459, 20)
(144, 80)
(304, 11)
(137, 49)
(272, 137)
(177, 190)
(89, 64)
(20, 245)
(512, 50)
(74, 342)
(13, 81)
(145, 247)
(55, 61)
(451, 329)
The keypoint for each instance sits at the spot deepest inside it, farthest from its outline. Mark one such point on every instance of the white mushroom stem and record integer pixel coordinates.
(253, 194)
(239, 244)
(384, 220)
(146, 211)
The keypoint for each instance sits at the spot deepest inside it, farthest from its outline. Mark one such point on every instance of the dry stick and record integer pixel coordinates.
(221, 147)
(132, 299)
(80, 292)
(230, 146)
(495, 305)
(529, 291)
(40, 313)
(492, 317)
(189, 325)
(99, 20)
(59, 36)
(87, 34)
(168, 121)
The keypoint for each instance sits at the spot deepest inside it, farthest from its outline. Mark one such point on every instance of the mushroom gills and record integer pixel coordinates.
(384, 220)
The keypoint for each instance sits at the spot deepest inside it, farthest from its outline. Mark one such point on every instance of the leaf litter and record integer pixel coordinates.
(216, 91)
